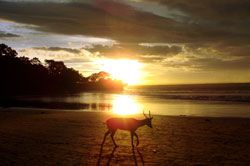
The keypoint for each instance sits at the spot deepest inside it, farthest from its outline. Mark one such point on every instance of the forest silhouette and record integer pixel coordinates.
(21, 75)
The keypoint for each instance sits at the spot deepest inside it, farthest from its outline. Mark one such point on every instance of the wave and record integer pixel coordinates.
(209, 92)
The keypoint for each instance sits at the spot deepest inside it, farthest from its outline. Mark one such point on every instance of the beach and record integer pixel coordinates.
(58, 137)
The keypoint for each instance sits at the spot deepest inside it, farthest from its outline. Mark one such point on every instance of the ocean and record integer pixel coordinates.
(211, 100)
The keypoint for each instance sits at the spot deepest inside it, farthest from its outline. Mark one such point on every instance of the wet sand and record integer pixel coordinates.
(46, 137)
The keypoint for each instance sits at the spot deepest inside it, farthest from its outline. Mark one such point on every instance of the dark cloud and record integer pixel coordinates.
(212, 9)
(158, 50)
(110, 19)
(214, 64)
(137, 49)
(208, 21)
(70, 50)
(3, 35)
(241, 51)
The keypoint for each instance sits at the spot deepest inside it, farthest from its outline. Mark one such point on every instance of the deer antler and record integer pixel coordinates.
(144, 114)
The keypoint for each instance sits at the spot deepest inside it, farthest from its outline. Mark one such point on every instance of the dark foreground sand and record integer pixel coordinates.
(39, 137)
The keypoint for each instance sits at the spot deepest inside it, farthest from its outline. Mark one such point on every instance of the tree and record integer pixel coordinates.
(7, 51)
(55, 67)
(35, 61)
(99, 76)
(21, 75)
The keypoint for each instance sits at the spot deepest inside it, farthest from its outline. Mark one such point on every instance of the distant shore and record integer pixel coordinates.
(38, 104)
(47, 137)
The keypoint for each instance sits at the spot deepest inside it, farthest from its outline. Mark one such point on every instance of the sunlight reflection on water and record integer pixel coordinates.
(125, 105)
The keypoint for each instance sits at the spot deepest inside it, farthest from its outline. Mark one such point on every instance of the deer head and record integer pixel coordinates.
(148, 119)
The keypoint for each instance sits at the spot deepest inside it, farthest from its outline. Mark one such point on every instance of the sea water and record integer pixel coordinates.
(213, 100)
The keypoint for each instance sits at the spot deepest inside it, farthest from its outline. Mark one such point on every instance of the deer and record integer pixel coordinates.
(128, 124)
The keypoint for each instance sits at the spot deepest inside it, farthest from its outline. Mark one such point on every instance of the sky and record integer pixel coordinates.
(172, 41)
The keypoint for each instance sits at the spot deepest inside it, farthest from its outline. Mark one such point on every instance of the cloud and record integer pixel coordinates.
(144, 53)
(194, 58)
(205, 59)
(6, 35)
(79, 59)
(30, 37)
(213, 64)
(70, 50)
(207, 22)
(107, 19)
(211, 9)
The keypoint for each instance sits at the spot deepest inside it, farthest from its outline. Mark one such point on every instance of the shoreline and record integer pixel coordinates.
(123, 103)
(32, 109)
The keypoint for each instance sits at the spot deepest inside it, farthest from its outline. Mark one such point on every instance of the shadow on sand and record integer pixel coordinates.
(111, 155)
(140, 156)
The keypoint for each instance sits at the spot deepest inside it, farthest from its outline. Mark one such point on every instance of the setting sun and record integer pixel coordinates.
(126, 70)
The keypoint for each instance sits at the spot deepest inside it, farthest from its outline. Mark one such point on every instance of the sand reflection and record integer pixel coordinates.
(125, 105)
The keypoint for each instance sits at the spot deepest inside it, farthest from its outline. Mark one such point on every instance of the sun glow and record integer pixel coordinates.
(126, 70)
(125, 105)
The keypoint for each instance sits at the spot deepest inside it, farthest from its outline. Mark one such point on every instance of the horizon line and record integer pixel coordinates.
(191, 84)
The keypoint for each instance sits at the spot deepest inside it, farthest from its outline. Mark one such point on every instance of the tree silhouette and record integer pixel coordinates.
(35, 61)
(7, 51)
(95, 77)
(21, 75)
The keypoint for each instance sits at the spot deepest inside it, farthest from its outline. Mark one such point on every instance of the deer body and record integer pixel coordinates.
(129, 124)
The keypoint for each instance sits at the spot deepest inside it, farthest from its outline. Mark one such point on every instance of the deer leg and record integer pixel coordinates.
(137, 139)
(112, 137)
(105, 135)
(132, 138)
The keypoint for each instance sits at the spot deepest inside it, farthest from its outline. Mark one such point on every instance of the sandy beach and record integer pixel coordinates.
(46, 137)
